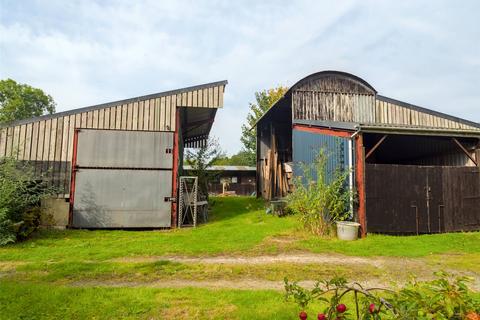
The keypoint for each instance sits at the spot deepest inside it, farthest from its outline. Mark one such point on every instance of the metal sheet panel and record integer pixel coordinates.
(122, 198)
(125, 149)
(307, 146)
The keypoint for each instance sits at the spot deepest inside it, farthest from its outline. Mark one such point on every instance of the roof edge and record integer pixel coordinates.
(114, 103)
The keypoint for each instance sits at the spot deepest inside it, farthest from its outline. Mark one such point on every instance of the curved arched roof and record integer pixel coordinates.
(326, 73)
(319, 75)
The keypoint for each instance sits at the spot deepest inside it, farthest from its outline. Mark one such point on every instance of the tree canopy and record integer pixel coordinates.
(21, 101)
(264, 100)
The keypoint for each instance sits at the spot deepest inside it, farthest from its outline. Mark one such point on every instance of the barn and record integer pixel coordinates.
(414, 170)
(116, 165)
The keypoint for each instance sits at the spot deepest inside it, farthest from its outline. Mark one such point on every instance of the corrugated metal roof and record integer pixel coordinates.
(225, 168)
(417, 129)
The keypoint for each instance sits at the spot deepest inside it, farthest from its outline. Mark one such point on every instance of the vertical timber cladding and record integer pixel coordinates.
(333, 97)
(122, 179)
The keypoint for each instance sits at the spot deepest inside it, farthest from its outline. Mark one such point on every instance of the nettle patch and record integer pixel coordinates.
(443, 298)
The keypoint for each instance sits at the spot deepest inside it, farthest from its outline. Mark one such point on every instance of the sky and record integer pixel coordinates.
(89, 52)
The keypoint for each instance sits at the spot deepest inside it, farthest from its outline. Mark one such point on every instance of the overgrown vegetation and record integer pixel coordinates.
(320, 197)
(20, 195)
(443, 298)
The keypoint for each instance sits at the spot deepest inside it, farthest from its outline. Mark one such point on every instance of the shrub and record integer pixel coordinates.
(442, 298)
(319, 198)
(20, 195)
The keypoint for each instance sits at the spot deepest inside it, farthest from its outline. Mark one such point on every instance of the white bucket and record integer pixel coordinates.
(347, 230)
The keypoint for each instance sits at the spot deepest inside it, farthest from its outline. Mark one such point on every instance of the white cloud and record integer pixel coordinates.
(87, 52)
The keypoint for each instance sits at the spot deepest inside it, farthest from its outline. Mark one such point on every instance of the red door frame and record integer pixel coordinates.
(72, 178)
(359, 167)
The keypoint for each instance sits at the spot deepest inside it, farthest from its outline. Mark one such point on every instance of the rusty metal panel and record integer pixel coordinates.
(125, 149)
(122, 198)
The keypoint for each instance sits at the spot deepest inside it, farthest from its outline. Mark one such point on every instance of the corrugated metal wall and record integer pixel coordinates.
(47, 141)
(307, 146)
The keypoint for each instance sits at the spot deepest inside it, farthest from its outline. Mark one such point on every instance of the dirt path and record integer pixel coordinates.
(243, 284)
(302, 258)
(395, 269)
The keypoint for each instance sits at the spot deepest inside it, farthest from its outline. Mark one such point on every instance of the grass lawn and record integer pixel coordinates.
(50, 275)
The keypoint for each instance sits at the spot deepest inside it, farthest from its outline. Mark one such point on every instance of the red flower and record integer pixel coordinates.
(303, 315)
(371, 308)
(321, 316)
(341, 308)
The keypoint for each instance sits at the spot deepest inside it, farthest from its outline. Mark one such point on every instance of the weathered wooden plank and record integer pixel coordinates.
(183, 100)
(173, 109)
(146, 115)
(53, 140)
(210, 97)
(130, 116)
(205, 97)
(41, 141)
(95, 119)
(57, 172)
(168, 103)
(34, 142)
(21, 141)
(162, 113)
(157, 114)
(83, 120)
(28, 141)
(16, 139)
(222, 92)
(124, 117)
(195, 98)
(118, 117)
(200, 98)
(141, 111)
(215, 97)
(189, 101)
(101, 119)
(89, 119)
(135, 116)
(151, 120)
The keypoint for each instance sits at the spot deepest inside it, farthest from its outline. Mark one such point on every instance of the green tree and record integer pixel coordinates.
(202, 158)
(264, 100)
(242, 158)
(21, 101)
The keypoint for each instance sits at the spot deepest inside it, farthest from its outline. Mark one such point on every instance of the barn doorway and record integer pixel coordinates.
(421, 184)
(122, 179)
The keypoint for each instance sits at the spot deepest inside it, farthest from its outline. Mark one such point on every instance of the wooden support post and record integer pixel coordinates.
(360, 180)
(375, 146)
(465, 151)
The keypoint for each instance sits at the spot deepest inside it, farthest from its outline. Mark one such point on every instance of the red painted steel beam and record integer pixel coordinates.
(175, 168)
(360, 180)
(72, 177)
(319, 130)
